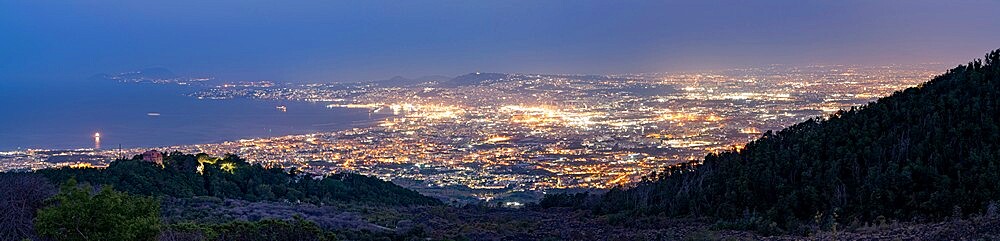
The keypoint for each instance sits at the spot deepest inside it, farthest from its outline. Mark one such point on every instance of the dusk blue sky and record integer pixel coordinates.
(58, 40)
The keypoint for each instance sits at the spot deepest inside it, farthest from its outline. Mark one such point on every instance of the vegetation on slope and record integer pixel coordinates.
(185, 175)
(21, 194)
(127, 207)
(77, 214)
(267, 229)
(924, 153)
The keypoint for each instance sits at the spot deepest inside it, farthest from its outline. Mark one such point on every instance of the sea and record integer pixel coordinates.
(68, 114)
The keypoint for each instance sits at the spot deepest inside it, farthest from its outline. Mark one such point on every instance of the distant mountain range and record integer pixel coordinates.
(477, 78)
(403, 81)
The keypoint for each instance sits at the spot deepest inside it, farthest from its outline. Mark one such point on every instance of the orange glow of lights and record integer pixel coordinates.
(496, 139)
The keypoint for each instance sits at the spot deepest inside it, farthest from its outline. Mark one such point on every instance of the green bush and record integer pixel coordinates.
(78, 214)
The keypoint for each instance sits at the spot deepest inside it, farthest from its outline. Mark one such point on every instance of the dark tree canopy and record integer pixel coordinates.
(21, 194)
(233, 177)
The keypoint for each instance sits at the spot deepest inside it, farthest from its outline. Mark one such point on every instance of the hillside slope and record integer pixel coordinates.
(924, 153)
(185, 175)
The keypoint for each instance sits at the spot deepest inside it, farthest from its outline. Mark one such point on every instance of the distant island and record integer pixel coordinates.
(156, 75)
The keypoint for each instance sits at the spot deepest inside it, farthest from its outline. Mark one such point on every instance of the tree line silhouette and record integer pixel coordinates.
(232, 177)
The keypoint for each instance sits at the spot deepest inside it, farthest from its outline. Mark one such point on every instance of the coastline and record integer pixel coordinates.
(39, 158)
(178, 120)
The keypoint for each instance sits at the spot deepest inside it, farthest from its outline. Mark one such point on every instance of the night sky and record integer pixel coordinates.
(58, 40)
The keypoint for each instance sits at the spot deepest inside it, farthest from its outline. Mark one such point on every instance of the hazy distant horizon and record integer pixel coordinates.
(196, 74)
(61, 41)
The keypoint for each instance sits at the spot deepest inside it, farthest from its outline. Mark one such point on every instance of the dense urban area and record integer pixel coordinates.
(512, 137)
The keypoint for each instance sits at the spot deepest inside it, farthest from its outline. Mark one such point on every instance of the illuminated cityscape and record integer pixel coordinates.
(499, 120)
(483, 136)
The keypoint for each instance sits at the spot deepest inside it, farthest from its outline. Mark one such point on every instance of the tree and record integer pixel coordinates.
(21, 194)
(233, 177)
(77, 214)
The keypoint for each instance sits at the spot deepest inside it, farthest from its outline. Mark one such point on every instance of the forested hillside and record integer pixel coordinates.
(924, 153)
(128, 207)
(186, 175)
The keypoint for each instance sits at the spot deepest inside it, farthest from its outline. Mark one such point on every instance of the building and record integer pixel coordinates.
(153, 156)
